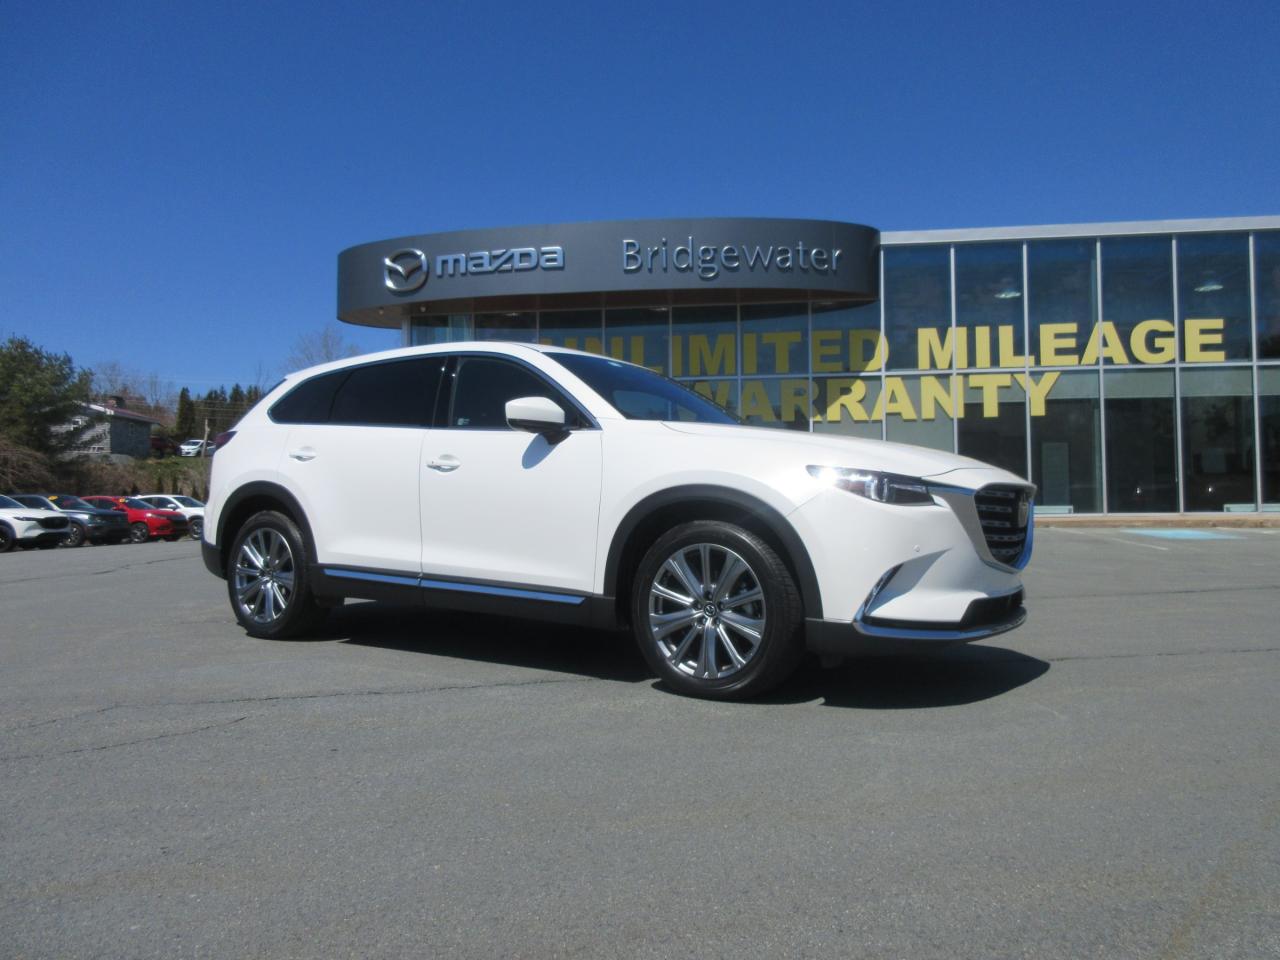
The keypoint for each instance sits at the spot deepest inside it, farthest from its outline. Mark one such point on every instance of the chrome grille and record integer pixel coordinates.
(1004, 521)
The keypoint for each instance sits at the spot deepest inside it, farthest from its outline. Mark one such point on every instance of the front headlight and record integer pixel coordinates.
(874, 485)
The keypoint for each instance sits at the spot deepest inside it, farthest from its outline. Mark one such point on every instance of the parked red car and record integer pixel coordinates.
(145, 521)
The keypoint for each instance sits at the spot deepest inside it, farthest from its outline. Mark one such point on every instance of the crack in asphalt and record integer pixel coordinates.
(443, 688)
(123, 743)
(97, 573)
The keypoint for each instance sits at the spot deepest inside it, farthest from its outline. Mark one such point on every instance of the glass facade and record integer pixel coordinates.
(1120, 373)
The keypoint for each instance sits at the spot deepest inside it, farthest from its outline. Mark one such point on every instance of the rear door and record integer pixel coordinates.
(504, 506)
(354, 460)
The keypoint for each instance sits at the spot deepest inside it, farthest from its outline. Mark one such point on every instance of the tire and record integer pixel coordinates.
(267, 579)
(197, 527)
(75, 536)
(6, 538)
(738, 637)
(138, 533)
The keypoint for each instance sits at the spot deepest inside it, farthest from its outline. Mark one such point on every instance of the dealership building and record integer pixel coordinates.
(1121, 367)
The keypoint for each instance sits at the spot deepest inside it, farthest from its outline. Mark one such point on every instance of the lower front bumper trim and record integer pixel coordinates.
(850, 638)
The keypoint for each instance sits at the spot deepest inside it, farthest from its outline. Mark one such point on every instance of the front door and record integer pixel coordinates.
(505, 506)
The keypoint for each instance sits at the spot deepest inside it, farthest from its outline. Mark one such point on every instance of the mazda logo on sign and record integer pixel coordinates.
(405, 270)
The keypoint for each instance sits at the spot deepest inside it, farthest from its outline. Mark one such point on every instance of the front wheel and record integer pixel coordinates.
(75, 536)
(138, 532)
(716, 611)
(6, 538)
(197, 527)
(267, 579)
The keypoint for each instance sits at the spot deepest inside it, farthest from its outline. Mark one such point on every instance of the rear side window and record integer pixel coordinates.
(482, 387)
(310, 401)
(401, 393)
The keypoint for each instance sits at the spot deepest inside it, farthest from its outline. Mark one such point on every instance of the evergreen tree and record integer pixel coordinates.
(41, 394)
(185, 425)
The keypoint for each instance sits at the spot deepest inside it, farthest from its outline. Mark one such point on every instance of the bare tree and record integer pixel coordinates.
(319, 347)
(22, 467)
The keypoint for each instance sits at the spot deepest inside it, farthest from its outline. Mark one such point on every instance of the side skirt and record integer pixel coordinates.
(469, 596)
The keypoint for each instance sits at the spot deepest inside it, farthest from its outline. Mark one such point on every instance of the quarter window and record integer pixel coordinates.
(310, 401)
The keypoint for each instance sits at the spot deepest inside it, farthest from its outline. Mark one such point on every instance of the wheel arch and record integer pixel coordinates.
(253, 498)
(659, 512)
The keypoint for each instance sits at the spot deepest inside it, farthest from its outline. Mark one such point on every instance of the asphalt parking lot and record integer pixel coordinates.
(1104, 782)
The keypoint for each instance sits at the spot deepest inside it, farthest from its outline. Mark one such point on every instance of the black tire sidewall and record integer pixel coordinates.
(133, 529)
(197, 527)
(302, 613)
(77, 535)
(782, 642)
(7, 538)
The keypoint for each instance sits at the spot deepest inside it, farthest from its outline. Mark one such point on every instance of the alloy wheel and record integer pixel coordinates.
(264, 576)
(706, 611)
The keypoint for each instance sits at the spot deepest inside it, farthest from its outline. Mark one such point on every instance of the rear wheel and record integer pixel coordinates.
(716, 611)
(267, 579)
(197, 527)
(138, 532)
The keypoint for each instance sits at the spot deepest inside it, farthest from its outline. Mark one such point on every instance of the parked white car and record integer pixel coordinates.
(189, 507)
(30, 527)
(551, 483)
(192, 448)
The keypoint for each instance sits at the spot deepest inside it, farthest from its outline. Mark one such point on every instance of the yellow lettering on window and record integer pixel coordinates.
(1199, 336)
(1152, 350)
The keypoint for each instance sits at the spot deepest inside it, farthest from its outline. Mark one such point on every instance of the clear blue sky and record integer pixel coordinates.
(176, 180)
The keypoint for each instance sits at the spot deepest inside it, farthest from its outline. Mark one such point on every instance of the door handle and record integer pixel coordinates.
(445, 464)
(302, 454)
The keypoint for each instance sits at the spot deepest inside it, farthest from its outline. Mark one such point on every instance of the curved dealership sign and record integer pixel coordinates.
(820, 257)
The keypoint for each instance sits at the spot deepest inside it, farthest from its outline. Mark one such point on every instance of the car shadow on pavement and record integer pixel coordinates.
(942, 678)
(491, 639)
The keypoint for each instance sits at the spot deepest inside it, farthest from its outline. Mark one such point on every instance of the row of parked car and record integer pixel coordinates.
(51, 520)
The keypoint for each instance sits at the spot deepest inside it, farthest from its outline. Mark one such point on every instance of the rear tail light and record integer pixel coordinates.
(222, 439)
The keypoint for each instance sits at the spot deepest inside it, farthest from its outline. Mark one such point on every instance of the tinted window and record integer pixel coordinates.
(482, 387)
(309, 402)
(9, 504)
(397, 394)
(640, 394)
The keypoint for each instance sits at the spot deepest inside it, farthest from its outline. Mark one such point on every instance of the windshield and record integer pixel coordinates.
(640, 394)
(8, 503)
(189, 501)
(74, 503)
(137, 504)
(31, 500)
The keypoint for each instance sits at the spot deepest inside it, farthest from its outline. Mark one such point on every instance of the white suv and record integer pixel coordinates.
(549, 483)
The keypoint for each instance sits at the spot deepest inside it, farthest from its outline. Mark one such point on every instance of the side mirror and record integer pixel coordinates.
(537, 415)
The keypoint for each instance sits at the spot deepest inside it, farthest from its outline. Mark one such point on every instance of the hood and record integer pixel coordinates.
(838, 451)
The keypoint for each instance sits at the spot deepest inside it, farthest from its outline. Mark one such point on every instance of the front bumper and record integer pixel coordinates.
(877, 636)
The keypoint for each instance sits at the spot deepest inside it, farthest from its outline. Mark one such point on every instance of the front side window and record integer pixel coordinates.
(640, 394)
(483, 385)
